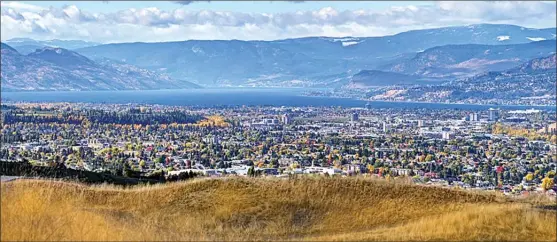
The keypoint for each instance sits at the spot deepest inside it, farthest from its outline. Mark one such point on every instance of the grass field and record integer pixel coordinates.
(266, 209)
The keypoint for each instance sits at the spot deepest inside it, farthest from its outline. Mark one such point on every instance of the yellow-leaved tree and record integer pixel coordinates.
(529, 177)
(370, 168)
(547, 183)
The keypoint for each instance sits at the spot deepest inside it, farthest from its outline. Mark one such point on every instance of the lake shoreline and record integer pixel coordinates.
(211, 97)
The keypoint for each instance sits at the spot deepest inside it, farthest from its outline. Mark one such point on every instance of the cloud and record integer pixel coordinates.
(190, 2)
(187, 2)
(20, 6)
(153, 24)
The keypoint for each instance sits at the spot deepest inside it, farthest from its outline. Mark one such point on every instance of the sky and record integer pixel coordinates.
(144, 21)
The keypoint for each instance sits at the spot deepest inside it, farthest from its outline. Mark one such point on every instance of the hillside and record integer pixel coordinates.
(63, 70)
(532, 82)
(548, 63)
(265, 209)
(371, 78)
(221, 62)
(453, 61)
(235, 62)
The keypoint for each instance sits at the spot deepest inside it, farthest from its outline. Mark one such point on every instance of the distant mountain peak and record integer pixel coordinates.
(27, 45)
(19, 40)
(61, 56)
(57, 50)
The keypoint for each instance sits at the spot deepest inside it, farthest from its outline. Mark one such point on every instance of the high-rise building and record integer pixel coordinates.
(354, 117)
(286, 119)
(493, 114)
(473, 117)
(385, 127)
(552, 128)
(420, 123)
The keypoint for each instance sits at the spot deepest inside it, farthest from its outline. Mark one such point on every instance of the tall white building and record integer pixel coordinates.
(286, 119)
(473, 117)
(493, 114)
(354, 117)
(447, 135)
(420, 123)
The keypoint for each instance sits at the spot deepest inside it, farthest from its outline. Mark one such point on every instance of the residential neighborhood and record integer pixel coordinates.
(512, 151)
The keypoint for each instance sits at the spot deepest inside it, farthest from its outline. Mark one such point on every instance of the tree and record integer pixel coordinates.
(547, 183)
(529, 177)
(161, 159)
(126, 171)
(274, 163)
(370, 169)
(251, 171)
(551, 174)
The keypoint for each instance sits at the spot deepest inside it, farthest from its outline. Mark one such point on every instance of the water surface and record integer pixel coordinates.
(230, 97)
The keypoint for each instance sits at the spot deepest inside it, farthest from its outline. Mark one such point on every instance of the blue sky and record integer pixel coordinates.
(144, 21)
(235, 6)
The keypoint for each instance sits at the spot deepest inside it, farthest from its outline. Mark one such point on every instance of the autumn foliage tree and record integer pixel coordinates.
(549, 181)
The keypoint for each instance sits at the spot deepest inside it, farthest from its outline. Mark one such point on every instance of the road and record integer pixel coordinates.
(8, 178)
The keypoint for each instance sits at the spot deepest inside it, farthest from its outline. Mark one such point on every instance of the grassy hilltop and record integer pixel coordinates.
(266, 209)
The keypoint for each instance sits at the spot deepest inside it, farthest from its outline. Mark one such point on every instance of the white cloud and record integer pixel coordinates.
(187, 2)
(20, 6)
(153, 24)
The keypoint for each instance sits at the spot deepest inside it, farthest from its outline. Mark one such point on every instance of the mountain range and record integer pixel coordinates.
(452, 61)
(27, 46)
(421, 57)
(61, 69)
(308, 60)
(531, 83)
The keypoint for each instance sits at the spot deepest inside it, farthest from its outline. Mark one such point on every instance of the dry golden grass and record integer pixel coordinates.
(265, 209)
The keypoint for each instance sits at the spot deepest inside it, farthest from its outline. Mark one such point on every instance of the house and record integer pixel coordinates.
(268, 171)
(431, 175)
(297, 171)
(402, 172)
(332, 171)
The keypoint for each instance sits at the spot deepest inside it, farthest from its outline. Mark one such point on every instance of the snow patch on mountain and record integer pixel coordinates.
(349, 43)
(197, 50)
(345, 39)
(535, 38)
(503, 37)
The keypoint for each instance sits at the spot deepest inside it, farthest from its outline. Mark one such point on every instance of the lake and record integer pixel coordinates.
(229, 96)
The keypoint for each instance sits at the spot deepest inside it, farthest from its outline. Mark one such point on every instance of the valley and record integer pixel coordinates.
(474, 64)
